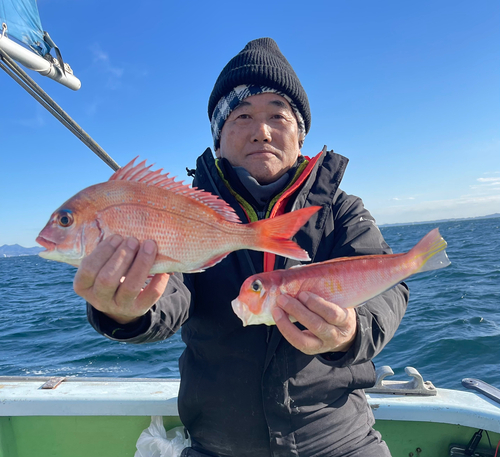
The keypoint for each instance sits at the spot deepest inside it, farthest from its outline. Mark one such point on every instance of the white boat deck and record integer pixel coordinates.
(120, 397)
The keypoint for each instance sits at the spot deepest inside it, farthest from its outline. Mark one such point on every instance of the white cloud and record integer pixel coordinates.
(481, 198)
(398, 199)
(486, 185)
(489, 180)
(464, 206)
(99, 54)
(102, 61)
(91, 107)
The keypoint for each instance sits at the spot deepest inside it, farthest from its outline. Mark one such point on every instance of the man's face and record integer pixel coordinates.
(261, 135)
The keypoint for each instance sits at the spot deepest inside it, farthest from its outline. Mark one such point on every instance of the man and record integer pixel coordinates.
(285, 390)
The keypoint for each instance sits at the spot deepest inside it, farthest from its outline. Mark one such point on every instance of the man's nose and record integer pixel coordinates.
(262, 133)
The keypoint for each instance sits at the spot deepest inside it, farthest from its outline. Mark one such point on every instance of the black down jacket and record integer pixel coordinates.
(245, 391)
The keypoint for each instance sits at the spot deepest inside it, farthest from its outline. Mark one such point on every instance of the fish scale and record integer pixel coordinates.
(348, 282)
(193, 229)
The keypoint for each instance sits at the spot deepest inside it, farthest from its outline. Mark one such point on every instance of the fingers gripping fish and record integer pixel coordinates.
(348, 282)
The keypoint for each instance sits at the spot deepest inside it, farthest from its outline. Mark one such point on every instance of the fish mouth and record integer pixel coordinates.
(249, 318)
(47, 244)
(240, 310)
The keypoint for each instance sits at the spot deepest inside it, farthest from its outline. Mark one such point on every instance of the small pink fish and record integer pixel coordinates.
(347, 281)
(193, 229)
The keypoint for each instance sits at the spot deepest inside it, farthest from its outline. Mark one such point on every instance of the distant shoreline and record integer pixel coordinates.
(15, 250)
(398, 224)
(5, 256)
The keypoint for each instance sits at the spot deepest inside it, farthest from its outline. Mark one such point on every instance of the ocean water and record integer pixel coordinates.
(451, 329)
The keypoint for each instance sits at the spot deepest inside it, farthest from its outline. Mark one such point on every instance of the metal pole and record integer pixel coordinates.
(16, 73)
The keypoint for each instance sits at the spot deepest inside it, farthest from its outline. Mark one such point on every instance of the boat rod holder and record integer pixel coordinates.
(482, 387)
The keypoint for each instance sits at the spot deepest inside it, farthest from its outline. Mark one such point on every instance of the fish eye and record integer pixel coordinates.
(65, 218)
(256, 286)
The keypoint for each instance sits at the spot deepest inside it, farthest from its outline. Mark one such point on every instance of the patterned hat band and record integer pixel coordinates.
(230, 101)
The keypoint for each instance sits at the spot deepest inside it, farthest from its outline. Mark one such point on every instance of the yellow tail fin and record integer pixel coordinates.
(432, 249)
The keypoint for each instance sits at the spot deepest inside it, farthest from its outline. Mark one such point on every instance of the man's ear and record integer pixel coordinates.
(302, 137)
(217, 153)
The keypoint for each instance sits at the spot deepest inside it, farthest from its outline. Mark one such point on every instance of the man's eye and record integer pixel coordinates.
(244, 116)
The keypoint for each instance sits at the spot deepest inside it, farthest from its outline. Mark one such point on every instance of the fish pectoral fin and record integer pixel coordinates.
(165, 258)
(214, 260)
(166, 264)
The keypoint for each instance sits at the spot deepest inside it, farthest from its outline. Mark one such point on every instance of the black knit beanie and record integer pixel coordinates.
(261, 63)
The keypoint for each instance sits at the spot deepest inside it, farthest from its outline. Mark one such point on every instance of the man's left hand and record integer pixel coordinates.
(329, 328)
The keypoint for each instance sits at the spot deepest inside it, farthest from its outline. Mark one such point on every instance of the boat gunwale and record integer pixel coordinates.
(22, 396)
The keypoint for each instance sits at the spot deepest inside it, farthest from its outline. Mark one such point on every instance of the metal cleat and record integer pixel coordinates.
(417, 386)
(53, 382)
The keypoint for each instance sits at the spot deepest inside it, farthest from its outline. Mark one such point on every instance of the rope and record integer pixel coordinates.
(16, 73)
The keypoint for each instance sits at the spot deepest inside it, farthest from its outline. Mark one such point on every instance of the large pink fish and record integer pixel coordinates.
(193, 229)
(347, 281)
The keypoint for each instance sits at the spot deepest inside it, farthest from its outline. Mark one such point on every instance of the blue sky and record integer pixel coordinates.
(408, 91)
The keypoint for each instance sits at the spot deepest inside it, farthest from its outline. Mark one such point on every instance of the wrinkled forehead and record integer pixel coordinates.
(263, 100)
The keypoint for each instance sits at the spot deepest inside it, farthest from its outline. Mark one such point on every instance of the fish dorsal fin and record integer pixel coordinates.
(141, 173)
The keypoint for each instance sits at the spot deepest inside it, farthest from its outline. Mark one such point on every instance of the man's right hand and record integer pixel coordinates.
(112, 278)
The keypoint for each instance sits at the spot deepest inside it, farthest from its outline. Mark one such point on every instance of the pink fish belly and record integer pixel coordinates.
(350, 283)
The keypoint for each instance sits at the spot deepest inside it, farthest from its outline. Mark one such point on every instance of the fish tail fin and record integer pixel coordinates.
(431, 248)
(273, 235)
